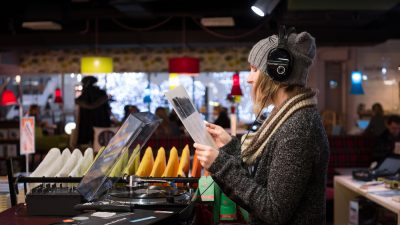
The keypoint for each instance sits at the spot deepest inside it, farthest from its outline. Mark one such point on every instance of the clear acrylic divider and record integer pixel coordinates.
(136, 130)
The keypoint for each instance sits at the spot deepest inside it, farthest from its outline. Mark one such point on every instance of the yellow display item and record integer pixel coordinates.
(121, 164)
(159, 164)
(146, 165)
(133, 163)
(95, 158)
(184, 162)
(136, 163)
(173, 164)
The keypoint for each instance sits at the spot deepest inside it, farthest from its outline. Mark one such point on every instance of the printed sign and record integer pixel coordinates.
(27, 141)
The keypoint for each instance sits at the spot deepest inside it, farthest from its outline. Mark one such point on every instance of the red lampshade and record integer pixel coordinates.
(184, 65)
(236, 91)
(8, 98)
(58, 96)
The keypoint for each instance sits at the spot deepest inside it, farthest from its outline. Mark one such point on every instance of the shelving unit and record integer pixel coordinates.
(9, 145)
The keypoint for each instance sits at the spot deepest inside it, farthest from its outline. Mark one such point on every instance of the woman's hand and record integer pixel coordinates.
(220, 136)
(205, 154)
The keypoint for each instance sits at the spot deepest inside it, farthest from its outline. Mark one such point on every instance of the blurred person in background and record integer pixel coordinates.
(386, 142)
(173, 118)
(93, 110)
(43, 126)
(166, 128)
(129, 109)
(223, 119)
(376, 124)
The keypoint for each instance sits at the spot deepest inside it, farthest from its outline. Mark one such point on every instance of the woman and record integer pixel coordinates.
(278, 174)
(376, 125)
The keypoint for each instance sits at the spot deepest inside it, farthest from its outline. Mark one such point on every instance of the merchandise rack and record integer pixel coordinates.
(13, 181)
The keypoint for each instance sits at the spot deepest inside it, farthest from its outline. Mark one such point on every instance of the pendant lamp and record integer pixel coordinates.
(185, 66)
(8, 98)
(91, 65)
(236, 90)
(96, 65)
(356, 83)
(147, 95)
(58, 96)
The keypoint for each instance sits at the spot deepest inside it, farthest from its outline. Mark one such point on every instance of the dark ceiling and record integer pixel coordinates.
(147, 23)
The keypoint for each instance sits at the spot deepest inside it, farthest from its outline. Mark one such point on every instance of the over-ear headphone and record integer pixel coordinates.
(280, 60)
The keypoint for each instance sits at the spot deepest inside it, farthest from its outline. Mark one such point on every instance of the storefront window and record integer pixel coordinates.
(129, 89)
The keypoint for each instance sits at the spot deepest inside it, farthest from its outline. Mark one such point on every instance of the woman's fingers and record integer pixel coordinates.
(201, 147)
(213, 126)
(205, 154)
(213, 131)
(210, 125)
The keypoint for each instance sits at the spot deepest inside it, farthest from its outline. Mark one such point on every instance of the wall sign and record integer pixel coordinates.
(27, 141)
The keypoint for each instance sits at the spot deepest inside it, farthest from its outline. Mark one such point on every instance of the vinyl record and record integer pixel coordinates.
(143, 192)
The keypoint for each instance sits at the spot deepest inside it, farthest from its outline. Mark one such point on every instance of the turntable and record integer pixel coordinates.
(102, 192)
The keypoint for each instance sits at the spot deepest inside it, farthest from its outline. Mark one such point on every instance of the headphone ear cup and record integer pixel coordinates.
(279, 64)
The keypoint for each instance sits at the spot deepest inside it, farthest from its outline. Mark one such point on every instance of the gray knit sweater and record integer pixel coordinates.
(289, 183)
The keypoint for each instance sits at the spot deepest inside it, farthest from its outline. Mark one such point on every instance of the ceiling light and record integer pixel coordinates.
(69, 127)
(8, 98)
(384, 70)
(18, 79)
(42, 25)
(218, 22)
(356, 83)
(236, 90)
(96, 65)
(184, 65)
(264, 7)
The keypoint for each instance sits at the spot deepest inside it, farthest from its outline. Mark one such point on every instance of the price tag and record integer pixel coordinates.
(206, 188)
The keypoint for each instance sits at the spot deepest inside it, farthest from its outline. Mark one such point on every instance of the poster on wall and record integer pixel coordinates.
(27, 141)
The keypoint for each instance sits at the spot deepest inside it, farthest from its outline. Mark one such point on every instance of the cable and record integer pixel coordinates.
(248, 131)
(141, 29)
(84, 31)
(223, 36)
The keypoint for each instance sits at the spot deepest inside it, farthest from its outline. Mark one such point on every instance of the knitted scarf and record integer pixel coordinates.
(254, 143)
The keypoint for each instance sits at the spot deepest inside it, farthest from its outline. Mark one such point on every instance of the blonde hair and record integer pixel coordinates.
(266, 89)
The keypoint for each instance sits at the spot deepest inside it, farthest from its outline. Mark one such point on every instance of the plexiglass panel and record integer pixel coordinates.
(136, 130)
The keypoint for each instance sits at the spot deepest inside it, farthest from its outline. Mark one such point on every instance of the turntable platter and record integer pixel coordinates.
(148, 195)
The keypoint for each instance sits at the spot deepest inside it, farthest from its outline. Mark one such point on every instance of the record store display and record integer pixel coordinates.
(116, 179)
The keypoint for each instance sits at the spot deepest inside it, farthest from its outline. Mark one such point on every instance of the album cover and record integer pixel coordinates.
(190, 117)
